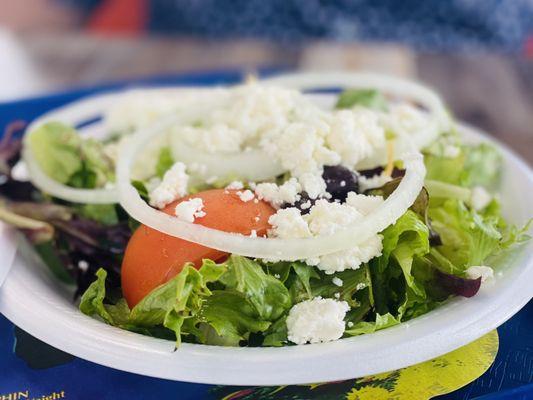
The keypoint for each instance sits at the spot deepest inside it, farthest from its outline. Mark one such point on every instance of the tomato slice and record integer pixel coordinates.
(152, 258)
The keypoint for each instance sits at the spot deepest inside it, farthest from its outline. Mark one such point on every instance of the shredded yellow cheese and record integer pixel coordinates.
(390, 158)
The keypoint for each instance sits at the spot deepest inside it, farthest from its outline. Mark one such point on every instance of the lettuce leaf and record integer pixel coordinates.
(381, 322)
(186, 305)
(103, 213)
(56, 148)
(483, 165)
(68, 158)
(296, 276)
(231, 316)
(92, 302)
(407, 239)
(370, 98)
(165, 160)
(276, 335)
(352, 282)
(265, 292)
(467, 237)
(169, 305)
(475, 165)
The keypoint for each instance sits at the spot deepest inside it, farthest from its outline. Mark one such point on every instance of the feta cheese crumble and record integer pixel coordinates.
(362, 203)
(373, 182)
(189, 210)
(326, 218)
(278, 195)
(245, 195)
(480, 198)
(337, 281)
(235, 185)
(314, 185)
(355, 134)
(317, 320)
(478, 271)
(172, 187)
(288, 223)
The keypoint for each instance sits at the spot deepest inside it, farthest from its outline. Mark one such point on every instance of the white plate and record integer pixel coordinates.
(36, 302)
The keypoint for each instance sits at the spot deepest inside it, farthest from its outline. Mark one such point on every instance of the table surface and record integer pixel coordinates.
(493, 91)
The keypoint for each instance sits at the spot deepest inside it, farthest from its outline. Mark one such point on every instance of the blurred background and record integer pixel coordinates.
(477, 53)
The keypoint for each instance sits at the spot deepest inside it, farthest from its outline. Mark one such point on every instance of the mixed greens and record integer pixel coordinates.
(241, 301)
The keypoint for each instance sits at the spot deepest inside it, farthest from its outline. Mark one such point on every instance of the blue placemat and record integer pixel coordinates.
(34, 370)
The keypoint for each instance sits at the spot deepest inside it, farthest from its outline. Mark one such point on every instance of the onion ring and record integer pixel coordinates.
(388, 84)
(74, 113)
(254, 165)
(286, 249)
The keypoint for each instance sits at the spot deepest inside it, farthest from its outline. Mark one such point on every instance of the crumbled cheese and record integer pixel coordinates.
(373, 182)
(172, 187)
(235, 185)
(480, 198)
(360, 286)
(277, 276)
(337, 295)
(20, 172)
(288, 223)
(403, 118)
(289, 191)
(326, 218)
(83, 265)
(216, 138)
(306, 205)
(313, 184)
(300, 147)
(245, 195)
(278, 195)
(317, 320)
(451, 151)
(349, 324)
(362, 203)
(351, 258)
(355, 134)
(189, 210)
(482, 271)
(337, 281)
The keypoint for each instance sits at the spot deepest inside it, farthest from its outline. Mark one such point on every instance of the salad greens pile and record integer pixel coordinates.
(245, 302)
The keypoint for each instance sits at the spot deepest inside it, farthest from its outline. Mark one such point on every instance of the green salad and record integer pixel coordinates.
(255, 215)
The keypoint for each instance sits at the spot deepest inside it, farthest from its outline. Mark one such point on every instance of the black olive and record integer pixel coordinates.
(434, 237)
(339, 182)
(369, 173)
(303, 204)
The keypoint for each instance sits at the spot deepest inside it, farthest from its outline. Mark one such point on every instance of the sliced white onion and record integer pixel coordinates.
(73, 114)
(253, 165)
(287, 249)
(76, 113)
(426, 97)
(48, 185)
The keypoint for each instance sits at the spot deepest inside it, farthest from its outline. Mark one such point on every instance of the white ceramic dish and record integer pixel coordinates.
(35, 301)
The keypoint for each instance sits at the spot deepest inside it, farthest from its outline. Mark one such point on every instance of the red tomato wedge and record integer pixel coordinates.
(153, 258)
